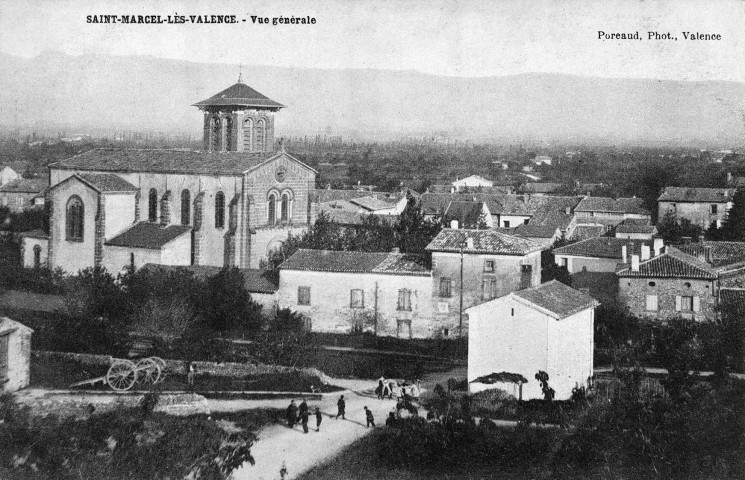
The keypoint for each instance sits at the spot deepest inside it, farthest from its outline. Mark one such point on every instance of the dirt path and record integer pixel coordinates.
(280, 446)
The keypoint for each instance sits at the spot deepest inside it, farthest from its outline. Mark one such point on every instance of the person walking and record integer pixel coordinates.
(341, 405)
(304, 414)
(190, 373)
(379, 390)
(319, 419)
(369, 417)
(391, 420)
(291, 414)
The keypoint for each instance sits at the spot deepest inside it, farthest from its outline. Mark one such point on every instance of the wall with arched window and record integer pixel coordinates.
(271, 200)
(219, 210)
(215, 133)
(261, 135)
(152, 205)
(285, 209)
(74, 219)
(248, 134)
(185, 207)
(229, 142)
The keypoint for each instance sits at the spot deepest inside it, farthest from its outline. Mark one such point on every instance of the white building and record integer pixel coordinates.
(545, 328)
(15, 355)
(473, 181)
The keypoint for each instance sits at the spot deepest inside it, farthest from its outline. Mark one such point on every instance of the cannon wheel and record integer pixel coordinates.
(148, 371)
(163, 368)
(122, 375)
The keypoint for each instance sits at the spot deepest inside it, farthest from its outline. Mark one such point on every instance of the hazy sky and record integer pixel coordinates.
(476, 38)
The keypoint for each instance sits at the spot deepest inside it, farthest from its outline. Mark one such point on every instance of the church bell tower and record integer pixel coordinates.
(239, 119)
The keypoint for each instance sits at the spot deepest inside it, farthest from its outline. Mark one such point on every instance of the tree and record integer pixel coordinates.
(734, 225)
(672, 229)
(413, 232)
(549, 269)
(227, 305)
(164, 319)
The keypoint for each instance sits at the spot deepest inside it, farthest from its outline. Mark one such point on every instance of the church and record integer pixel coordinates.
(227, 205)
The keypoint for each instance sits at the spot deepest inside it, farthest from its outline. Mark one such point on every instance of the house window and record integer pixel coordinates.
(652, 284)
(651, 303)
(506, 224)
(446, 287)
(272, 206)
(303, 295)
(489, 266)
(37, 256)
(404, 299)
(403, 328)
(219, 210)
(75, 219)
(714, 209)
(216, 133)
(564, 262)
(525, 222)
(19, 202)
(185, 207)
(356, 298)
(513, 311)
(526, 276)
(152, 205)
(686, 304)
(489, 288)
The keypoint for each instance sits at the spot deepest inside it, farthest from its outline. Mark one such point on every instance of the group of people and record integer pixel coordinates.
(301, 415)
(389, 388)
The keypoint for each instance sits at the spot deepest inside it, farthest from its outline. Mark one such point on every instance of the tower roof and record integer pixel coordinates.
(241, 95)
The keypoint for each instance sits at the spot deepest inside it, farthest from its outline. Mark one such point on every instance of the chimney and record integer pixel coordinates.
(624, 254)
(395, 250)
(635, 263)
(706, 255)
(645, 252)
(469, 242)
(658, 245)
(165, 209)
(454, 224)
(568, 210)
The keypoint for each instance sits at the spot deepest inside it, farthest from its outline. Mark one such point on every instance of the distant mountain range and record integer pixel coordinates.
(55, 91)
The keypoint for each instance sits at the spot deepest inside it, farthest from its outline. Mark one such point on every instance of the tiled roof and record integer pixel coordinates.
(546, 187)
(734, 298)
(557, 299)
(671, 264)
(255, 281)
(484, 241)
(636, 228)
(602, 247)
(467, 213)
(165, 161)
(329, 195)
(605, 204)
(148, 235)
(473, 177)
(107, 182)
(720, 253)
(372, 203)
(240, 94)
(38, 233)
(26, 185)
(602, 286)
(583, 232)
(685, 194)
(357, 262)
(536, 231)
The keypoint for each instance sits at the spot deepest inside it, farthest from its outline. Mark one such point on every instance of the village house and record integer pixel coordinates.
(8, 174)
(23, 193)
(472, 181)
(470, 266)
(674, 283)
(472, 215)
(344, 291)
(228, 205)
(600, 254)
(15, 355)
(635, 230)
(702, 206)
(548, 328)
(610, 211)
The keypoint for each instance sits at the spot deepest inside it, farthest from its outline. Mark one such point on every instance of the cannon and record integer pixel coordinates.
(124, 374)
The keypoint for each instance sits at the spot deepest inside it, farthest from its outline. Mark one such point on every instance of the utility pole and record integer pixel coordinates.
(460, 312)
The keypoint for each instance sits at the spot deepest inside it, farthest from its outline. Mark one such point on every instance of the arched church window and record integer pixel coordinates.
(285, 209)
(215, 134)
(152, 205)
(272, 208)
(261, 135)
(37, 256)
(229, 134)
(219, 210)
(248, 134)
(185, 207)
(74, 223)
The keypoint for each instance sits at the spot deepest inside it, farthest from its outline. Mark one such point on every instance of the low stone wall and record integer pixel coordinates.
(82, 405)
(228, 369)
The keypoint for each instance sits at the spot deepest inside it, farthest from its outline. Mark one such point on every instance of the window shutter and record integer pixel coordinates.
(696, 304)
(677, 303)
